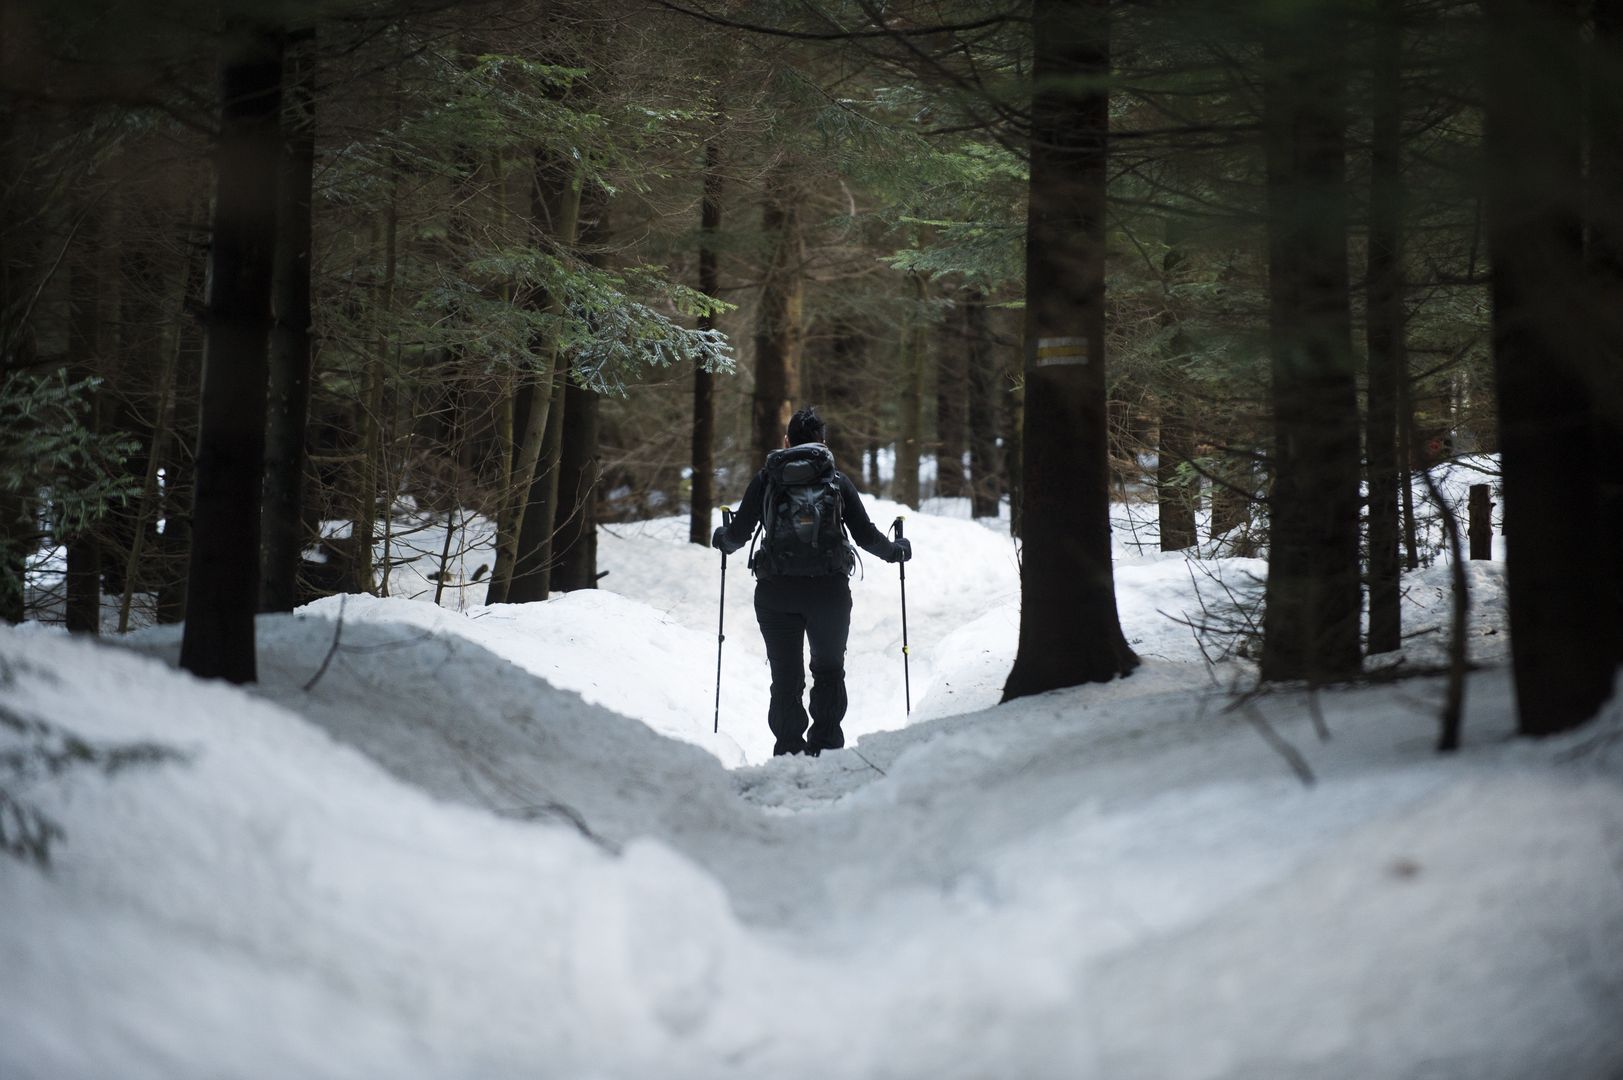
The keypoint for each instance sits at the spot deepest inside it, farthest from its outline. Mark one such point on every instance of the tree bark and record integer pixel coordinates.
(704, 389)
(985, 483)
(532, 564)
(910, 403)
(1605, 258)
(951, 409)
(179, 475)
(283, 532)
(778, 321)
(845, 414)
(1311, 621)
(223, 589)
(86, 357)
(1564, 637)
(1388, 361)
(574, 534)
(1070, 632)
(555, 213)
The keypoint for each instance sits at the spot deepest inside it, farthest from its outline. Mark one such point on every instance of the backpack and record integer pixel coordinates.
(802, 531)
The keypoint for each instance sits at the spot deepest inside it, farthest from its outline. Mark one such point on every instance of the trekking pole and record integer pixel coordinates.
(721, 622)
(907, 686)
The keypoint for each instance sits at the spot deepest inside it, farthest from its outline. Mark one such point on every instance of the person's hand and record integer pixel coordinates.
(718, 539)
(901, 550)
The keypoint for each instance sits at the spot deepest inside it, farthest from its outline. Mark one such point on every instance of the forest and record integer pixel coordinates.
(283, 284)
(1247, 376)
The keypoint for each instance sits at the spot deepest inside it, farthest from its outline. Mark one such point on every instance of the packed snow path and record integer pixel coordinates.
(1115, 881)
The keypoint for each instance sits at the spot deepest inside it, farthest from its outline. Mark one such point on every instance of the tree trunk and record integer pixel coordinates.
(910, 403)
(1311, 621)
(777, 327)
(1605, 257)
(1070, 632)
(847, 353)
(86, 357)
(575, 538)
(555, 213)
(179, 475)
(1176, 494)
(1564, 638)
(704, 391)
(283, 532)
(1384, 330)
(951, 409)
(223, 590)
(574, 535)
(985, 483)
(532, 564)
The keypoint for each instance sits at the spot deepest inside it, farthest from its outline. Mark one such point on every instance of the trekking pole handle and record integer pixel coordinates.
(896, 526)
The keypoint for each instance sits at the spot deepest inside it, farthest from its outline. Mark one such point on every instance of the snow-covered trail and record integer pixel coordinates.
(1119, 881)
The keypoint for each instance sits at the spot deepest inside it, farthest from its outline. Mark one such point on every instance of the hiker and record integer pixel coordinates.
(804, 507)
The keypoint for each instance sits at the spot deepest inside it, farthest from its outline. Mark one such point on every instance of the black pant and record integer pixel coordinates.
(792, 610)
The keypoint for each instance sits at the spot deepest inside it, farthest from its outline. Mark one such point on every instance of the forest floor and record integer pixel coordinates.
(505, 842)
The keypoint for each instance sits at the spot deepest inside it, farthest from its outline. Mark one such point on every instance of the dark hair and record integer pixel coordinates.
(806, 426)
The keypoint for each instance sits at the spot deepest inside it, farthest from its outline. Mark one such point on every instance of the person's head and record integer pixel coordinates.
(806, 426)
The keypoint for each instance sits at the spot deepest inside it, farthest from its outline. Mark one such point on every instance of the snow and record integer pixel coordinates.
(470, 841)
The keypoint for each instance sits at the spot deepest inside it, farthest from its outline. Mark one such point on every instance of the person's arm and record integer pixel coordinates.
(862, 528)
(730, 538)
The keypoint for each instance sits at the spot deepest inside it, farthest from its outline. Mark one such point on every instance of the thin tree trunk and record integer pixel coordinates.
(704, 404)
(532, 565)
(951, 409)
(1312, 615)
(574, 534)
(179, 479)
(984, 481)
(1070, 632)
(777, 327)
(284, 538)
(371, 406)
(847, 352)
(555, 212)
(1384, 329)
(147, 508)
(910, 403)
(86, 357)
(223, 590)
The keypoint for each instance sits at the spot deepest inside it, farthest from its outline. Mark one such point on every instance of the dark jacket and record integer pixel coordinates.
(855, 516)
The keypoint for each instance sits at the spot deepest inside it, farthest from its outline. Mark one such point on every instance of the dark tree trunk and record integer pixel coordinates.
(777, 327)
(951, 409)
(1384, 330)
(1606, 277)
(704, 390)
(847, 353)
(1311, 622)
(1070, 632)
(985, 481)
(86, 357)
(532, 568)
(555, 204)
(575, 539)
(223, 589)
(19, 262)
(1176, 494)
(283, 519)
(179, 475)
(910, 402)
(1564, 639)
(574, 534)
